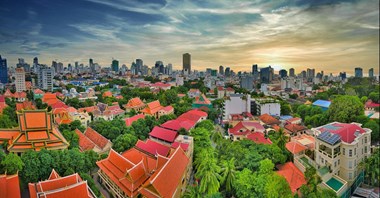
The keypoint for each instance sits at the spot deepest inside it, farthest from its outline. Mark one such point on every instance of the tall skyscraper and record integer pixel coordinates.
(35, 61)
(20, 79)
(283, 73)
(255, 69)
(186, 63)
(221, 70)
(342, 75)
(3, 71)
(266, 74)
(292, 72)
(358, 72)
(310, 74)
(370, 73)
(246, 82)
(115, 65)
(227, 72)
(139, 65)
(169, 68)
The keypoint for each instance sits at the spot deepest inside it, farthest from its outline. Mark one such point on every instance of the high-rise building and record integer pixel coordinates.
(370, 73)
(266, 74)
(169, 68)
(342, 75)
(358, 72)
(115, 65)
(255, 69)
(310, 74)
(283, 73)
(227, 71)
(45, 78)
(35, 61)
(3, 71)
(20, 79)
(292, 72)
(221, 70)
(139, 65)
(246, 82)
(186, 63)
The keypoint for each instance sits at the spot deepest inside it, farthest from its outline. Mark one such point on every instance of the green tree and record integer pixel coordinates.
(5, 122)
(208, 172)
(244, 186)
(228, 174)
(207, 124)
(374, 126)
(374, 96)
(12, 163)
(124, 142)
(345, 109)
(193, 192)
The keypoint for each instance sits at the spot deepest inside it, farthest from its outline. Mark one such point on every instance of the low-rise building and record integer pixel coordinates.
(57, 186)
(92, 140)
(156, 110)
(265, 106)
(236, 104)
(134, 103)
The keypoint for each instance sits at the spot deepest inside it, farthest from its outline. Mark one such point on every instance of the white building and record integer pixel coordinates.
(236, 104)
(341, 147)
(265, 106)
(179, 80)
(45, 78)
(20, 80)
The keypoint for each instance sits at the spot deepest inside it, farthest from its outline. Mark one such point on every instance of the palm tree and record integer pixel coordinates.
(282, 139)
(216, 137)
(193, 192)
(208, 173)
(228, 174)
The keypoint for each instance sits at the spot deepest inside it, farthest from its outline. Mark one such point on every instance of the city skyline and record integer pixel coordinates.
(332, 36)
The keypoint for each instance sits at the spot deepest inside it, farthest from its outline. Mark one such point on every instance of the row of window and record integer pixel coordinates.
(350, 151)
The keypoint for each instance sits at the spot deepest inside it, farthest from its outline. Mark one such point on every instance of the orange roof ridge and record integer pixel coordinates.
(113, 151)
(165, 165)
(53, 175)
(77, 189)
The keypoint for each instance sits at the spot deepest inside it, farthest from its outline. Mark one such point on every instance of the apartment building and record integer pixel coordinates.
(20, 80)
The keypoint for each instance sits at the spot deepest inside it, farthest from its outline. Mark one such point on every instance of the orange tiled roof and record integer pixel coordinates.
(56, 187)
(165, 181)
(50, 98)
(294, 128)
(107, 94)
(295, 147)
(268, 119)
(38, 91)
(152, 107)
(27, 105)
(202, 99)
(134, 103)
(293, 175)
(96, 138)
(85, 144)
(8, 93)
(9, 186)
(35, 132)
(129, 121)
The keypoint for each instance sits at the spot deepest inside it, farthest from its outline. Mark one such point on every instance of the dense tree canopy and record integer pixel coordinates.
(345, 109)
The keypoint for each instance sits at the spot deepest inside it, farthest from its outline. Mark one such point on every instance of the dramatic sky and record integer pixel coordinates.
(326, 35)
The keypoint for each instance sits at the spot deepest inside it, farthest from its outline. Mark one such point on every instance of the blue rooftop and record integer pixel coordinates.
(322, 103)
(286, 117)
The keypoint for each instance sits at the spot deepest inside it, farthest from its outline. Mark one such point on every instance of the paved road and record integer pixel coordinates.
(103, 191)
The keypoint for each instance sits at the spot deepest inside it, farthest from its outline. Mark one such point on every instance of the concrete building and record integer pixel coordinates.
(358, 72)
(246, 82)
(20, 80)
(45, 78)
(370, 73)
(265, 106)
(186, 63)
(179, 80)
(341, 147)
(236, 104)
(3, 71)
(266, 74)
(292, 72)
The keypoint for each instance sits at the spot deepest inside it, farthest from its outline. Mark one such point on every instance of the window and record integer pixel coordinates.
(349, 164)
(355, 151)
(344, 151)
(350, 153)
(365, 140)
(338, 161)
(349, 176)
(365, 149)
(335, 163)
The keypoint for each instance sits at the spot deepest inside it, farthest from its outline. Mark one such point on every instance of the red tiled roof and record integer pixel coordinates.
(38, 91)
(295, 147)
(50, 98)
(293, 120)
(259, 138)
(96, 138)
(9, 186)
(163, 134)
(184, 146)
(243, 128)
(53, 175)
(27, 105)
(2, 98)
(276, 127)
(202, 99)
(129, 121)
(85, 144)
(294, 128)
(59, 104)
(167, 109)
(134, 102)
(88, 109)
(166, 180)
(293, 175)
(344, 130)
(153, 147)
(268, 119)
(19, 95)
(178, 124)
(160, 84)
(370, 104)
(193, 115)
